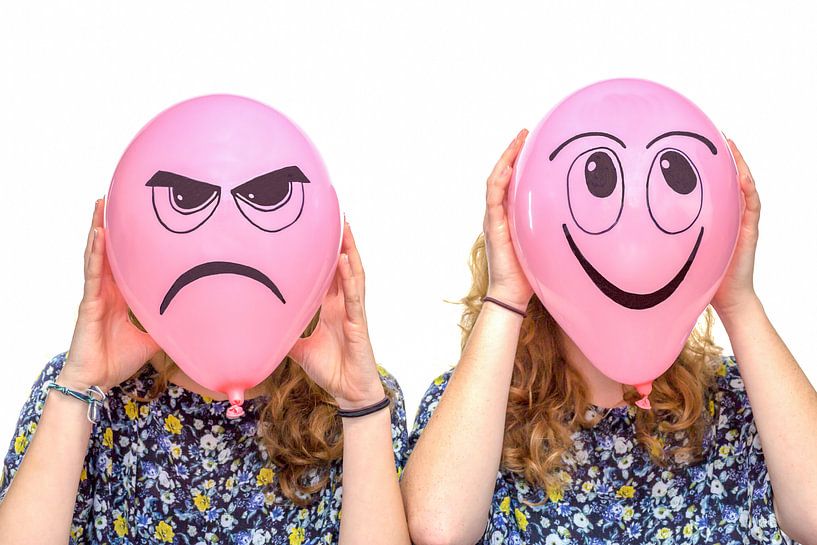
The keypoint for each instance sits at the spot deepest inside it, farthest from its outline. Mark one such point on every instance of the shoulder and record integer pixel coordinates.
(428, 403)
(730, 395)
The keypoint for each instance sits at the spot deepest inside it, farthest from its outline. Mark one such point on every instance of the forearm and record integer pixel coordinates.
(39, 504)
(784, 405)
(372, 509)
(449, 480)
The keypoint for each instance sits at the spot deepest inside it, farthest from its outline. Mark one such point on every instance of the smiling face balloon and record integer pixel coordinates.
(624, 210)
(223, 236)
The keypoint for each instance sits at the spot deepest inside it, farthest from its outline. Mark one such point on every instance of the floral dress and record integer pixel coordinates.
(176, 470)
(616, 495)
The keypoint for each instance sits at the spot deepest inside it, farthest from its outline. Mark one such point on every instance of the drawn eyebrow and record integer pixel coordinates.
(286, 174)
(695, 135)
(164, 178)
(582, 135)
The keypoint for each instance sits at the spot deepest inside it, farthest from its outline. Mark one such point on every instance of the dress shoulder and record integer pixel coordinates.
(399, 428)
(428, 403)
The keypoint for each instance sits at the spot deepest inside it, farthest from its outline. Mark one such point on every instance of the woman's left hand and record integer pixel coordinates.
(737, 288)
(338, 354)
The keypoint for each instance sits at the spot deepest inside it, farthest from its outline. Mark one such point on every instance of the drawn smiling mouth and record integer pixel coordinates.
(628, 299)
(217, 267)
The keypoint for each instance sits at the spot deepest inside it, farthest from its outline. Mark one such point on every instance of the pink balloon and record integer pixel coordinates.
(624, 211)
(225, 288)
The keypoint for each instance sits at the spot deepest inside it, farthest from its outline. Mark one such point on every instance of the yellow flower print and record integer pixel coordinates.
(382, 371)
(207, 399)
(120, 526)
(664, 533)
(587, 486)
(32, 427)
(144, 410)
(265, 476)
(175, 450)
(721, 372)
(84, 474)
(555, 493)
(164, 532)
(131, 410)
(711, 407)
(521, 519)
(439, 380)
(20, 444)
(296, 536)
(229, 483)
(688, 529)
(107, 438)
(321, 507)
(173, 424)
(302, 514)
(626, 491)
(202, 502)
(724, 450)
(505, 505)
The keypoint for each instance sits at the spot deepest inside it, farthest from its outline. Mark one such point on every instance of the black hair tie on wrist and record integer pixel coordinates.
(505, 305)
(363, 411)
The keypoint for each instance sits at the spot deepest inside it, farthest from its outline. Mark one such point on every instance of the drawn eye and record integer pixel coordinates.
(674, 192)
(595, 190)
(182, 204)
(272, 201)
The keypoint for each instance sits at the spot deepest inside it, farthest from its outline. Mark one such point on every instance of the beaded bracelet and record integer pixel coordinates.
(363, 411)
(93, 397)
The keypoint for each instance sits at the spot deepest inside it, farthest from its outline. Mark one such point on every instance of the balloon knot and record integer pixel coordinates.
(235, 411)
(644, 403)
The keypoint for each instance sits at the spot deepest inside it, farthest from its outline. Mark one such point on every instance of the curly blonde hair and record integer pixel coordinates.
(548, 399)
(300, 428)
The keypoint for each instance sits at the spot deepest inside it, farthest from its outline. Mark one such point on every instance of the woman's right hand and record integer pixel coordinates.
(106, 347)
(506, 280)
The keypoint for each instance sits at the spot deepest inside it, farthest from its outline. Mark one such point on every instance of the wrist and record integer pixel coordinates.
(739, 308)
(516, 300)
(369, 397)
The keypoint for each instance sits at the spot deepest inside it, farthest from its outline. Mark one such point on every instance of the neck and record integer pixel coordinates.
(180, 378)
(604, 391)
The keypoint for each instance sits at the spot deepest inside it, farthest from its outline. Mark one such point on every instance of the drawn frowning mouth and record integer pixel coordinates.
(217, 267)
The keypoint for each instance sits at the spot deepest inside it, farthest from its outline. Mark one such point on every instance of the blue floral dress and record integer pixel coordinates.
(618, 496)
(176, 470)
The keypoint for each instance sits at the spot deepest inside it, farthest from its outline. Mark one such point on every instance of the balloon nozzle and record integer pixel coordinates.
(644, 390)
(236, 401)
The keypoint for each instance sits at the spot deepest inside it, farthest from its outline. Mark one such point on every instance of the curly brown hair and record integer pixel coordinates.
(548, 399)
(300, 428)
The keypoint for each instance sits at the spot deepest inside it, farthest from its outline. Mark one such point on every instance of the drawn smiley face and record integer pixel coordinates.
(597, 174)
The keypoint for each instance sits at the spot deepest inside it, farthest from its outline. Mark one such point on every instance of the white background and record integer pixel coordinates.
(410, 107)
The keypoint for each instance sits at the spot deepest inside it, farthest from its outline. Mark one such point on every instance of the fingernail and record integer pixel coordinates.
(95, 231)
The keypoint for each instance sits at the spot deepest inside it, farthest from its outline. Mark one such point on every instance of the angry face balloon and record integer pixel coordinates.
(624, 210)
(223, 236)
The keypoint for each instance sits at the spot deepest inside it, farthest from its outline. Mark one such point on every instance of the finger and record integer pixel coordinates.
(94, 269)
(743, 168)
(90, 236)
(747, 181)
(350, 249)
(351, 296)
(500, 178)
(508, 157)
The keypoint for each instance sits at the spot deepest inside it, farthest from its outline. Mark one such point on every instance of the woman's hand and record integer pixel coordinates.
(737, 288)
(338, 354)
(506, 280)
(106, 347)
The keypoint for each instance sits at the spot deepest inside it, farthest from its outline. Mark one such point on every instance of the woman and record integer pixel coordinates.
(526, 442)
(164, 465)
